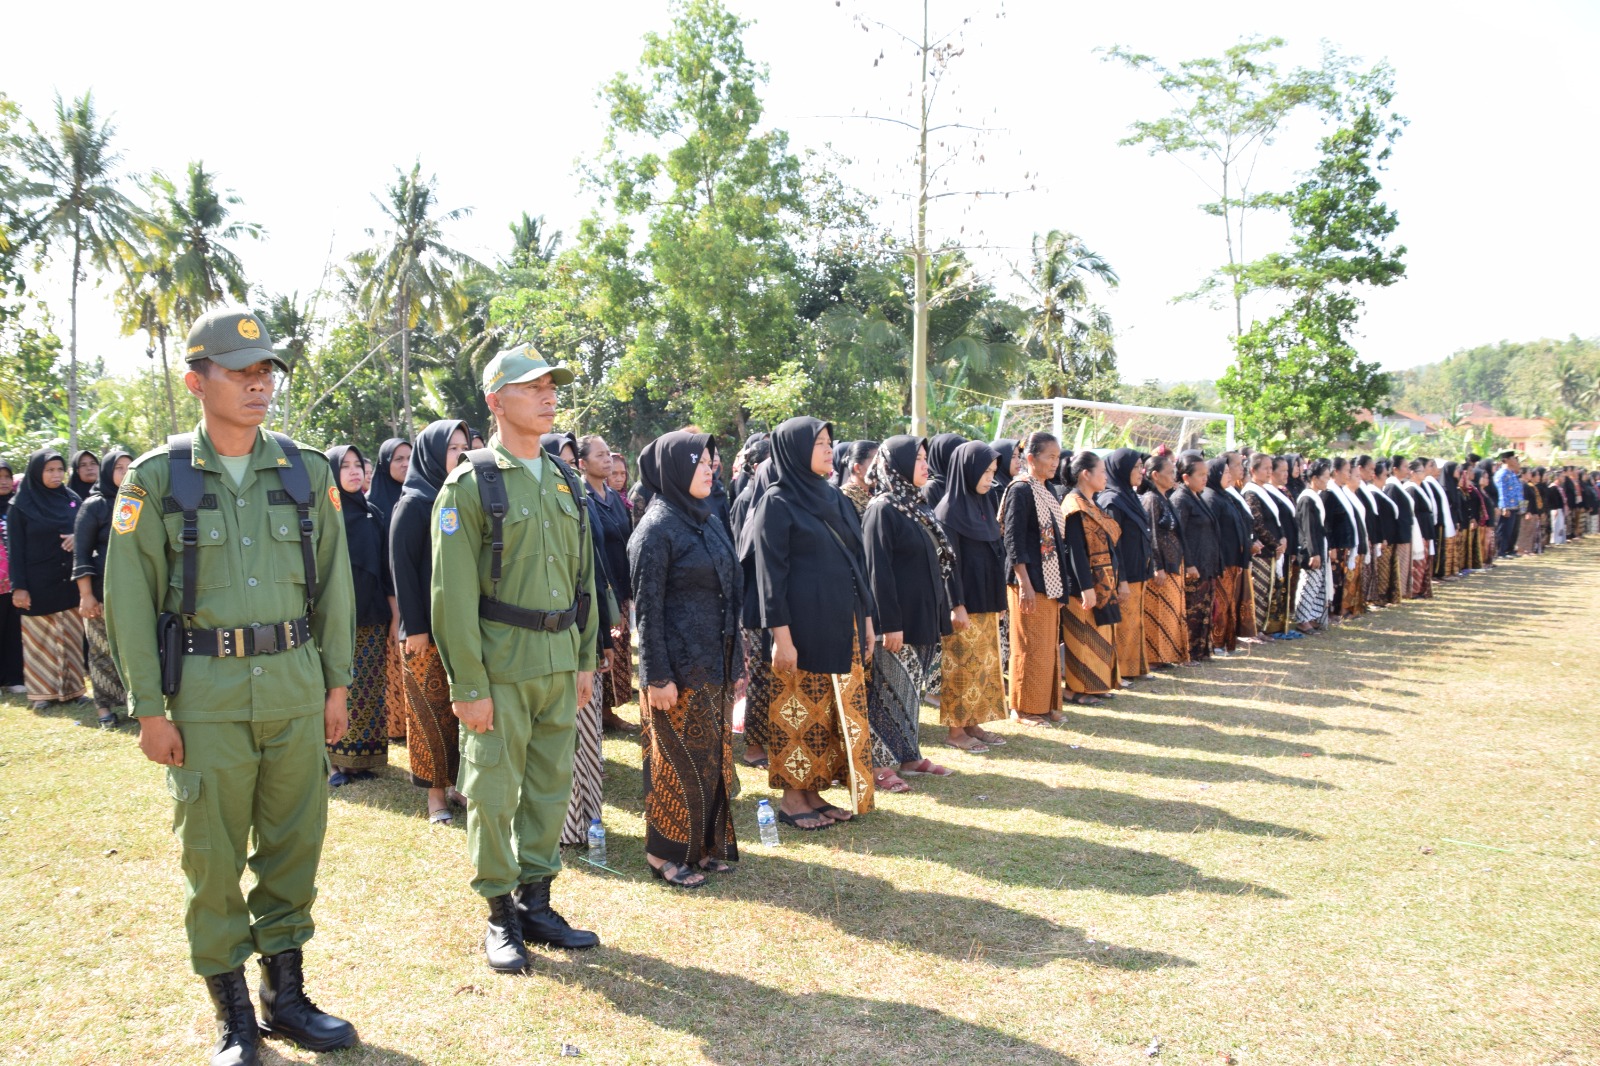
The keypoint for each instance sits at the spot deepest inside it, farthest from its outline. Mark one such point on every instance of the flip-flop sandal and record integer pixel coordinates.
(975, 748)
(759, 764)
(442, 816)
(829, 810)
(925, 768)
(993, 740)
(716, 866)
(890, 782)
(793, 821)
(679, 877)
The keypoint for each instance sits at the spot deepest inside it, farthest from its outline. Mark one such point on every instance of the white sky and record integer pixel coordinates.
(305, 110)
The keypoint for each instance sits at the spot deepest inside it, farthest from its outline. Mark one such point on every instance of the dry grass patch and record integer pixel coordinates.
(1249, 860)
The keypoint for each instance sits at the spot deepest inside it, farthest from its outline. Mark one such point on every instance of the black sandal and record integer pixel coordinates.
(793, 821)
(679, 878)
(715, 866)
(827, 810)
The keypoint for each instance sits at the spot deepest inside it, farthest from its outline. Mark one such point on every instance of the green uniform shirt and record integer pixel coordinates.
(545, 556)
(250, 572)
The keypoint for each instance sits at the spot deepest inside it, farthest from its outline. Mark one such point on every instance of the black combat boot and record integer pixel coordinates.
(237, 1040)
(542, 925)
(502, 943)
(287, 1011)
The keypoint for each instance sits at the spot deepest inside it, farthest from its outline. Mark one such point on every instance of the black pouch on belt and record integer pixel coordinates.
(169, 647)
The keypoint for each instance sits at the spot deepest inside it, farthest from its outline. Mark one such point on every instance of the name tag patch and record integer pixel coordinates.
(449, 520)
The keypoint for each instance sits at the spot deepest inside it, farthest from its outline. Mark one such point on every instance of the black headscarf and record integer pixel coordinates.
(963, 510)
(940, 449)
(105, 485)
(352, 505)
(666, 469)
(1006, 448)
(428, 470)
(5, 501)
(1214, 471)
(386, 490)
(841, 462)
(1119, 494)
(55, 508)
(554, 442)
(83, 489)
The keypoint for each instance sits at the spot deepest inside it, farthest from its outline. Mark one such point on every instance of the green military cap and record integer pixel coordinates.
(522, 363)
(233, 338)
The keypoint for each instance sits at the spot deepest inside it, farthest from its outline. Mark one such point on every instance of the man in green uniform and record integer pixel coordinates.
(520, 655)
(229, 550)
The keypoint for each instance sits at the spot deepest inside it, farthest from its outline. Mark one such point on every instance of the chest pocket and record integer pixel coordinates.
(283, 526)
(211, 562)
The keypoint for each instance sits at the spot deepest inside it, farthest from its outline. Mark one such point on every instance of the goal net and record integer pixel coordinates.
(1088, 424)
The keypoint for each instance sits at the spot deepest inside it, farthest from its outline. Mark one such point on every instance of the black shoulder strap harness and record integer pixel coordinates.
(188, 486)
(492, 494)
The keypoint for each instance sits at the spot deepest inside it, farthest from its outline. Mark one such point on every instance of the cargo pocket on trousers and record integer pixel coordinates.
(191, 819)
(482, 780)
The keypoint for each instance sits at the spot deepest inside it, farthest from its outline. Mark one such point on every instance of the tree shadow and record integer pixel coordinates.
(733, 1020)
(361, 1053)
(1172, 766)
(1236, 717)
(1199, 738)
(1122, 809)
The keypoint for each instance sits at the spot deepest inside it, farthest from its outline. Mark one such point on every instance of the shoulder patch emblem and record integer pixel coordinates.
(333, 497)
(127, 516)
(449, 520)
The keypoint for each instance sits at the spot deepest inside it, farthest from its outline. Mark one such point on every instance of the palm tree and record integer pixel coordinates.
(1569, 383)
(1064, 325)
(1590, 400)
(73, 200)
(407, 273)
(530, 240)
(145, 300)
(192, 221)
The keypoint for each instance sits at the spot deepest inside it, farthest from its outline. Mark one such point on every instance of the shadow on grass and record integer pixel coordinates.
(1122, 809)
(1014, 858)
(729, 1019)
(1123, 762)
(361, 1053)
(1171, 704)
(1198, 738)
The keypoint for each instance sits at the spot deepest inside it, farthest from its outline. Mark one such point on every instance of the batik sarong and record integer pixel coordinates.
(818, 733)
(1197, 596)
(588, 768)
(894, 702)
(1225, 609)
(688, 777)
(1131, 660)
(1311, 596)
(365, 745)
(974, 688)
(760, 685)
(433, 734)
(1091, 650)
(1166, 634)
(52, 656)
(1035, 654)
(109, 695)
(394, 691)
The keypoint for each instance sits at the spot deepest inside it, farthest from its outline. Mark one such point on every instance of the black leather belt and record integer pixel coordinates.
(522, 618)
(247, 640)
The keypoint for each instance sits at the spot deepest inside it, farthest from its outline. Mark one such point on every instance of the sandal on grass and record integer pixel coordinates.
(758, 764)
(794, 820)
(972, 748)
(889, 781)
(926, 767)
(442, 816)
(716, 866)
(838, 814)
(983, 736)
(677, 875)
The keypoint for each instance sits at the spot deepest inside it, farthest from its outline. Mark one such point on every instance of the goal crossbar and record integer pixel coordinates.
(1059, 405)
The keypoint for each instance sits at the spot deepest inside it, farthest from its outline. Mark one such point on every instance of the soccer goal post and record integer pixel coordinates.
(1081, 424)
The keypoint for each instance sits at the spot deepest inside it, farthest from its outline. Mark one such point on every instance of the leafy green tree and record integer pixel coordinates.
(191, 223)
(407, 275)
(70, 191)
(1228, 109)
(686, 163)
(1297, 377)
(1068, 336)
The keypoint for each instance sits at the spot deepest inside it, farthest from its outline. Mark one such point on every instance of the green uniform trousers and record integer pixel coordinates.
(239, 778)
(518, 781)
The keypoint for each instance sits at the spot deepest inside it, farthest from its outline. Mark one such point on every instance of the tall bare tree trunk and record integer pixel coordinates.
(166, 377)
(72, 366)
(405, 363)
(919, 336)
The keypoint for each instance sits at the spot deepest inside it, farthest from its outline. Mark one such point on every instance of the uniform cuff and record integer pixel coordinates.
(466, 691)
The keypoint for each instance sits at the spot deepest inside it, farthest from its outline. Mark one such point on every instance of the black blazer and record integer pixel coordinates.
(1380, 520)
(980, 584)
(1402, 525)
(805, 581)
(1135, 551)
(38, 565)
(411, 563)
(91, 535)
(1340, 530)
(1202, 545)
(1233, 528)
(688, 592)
(1313, 534)
(1019, 519)
(903, 568)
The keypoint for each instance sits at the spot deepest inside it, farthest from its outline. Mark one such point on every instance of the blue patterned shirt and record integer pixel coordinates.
(1509, 486)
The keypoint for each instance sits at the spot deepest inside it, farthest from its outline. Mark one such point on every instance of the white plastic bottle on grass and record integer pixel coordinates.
(767, 822)
(597, 842)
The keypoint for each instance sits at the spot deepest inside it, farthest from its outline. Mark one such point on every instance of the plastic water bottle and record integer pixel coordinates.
(767, 821)
(597, 842)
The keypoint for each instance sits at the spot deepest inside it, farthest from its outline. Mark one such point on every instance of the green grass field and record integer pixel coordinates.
(1378, 846)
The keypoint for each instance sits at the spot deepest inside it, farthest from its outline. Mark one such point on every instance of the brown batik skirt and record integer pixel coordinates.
(974, 689)
(616, 684)
(818, 733)
(433, 736)
(1197, 596)
(1166, 634)
(1091, 650)
(1225, 609)
(1035, 654)
(53, 665)
(1422, 577)
(365, 744)
(688, 777)
(1131, 660)
(1355, 597)
(1402, 572)
(760, 687)
(1263, 588)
